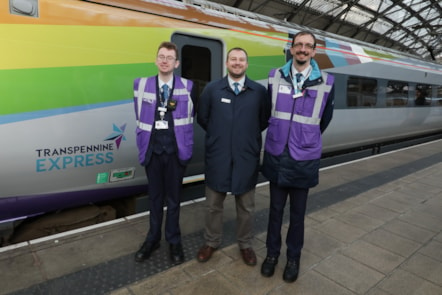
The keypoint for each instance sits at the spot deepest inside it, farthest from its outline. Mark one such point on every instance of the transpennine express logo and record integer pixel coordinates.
(117, 135)
(60, 158)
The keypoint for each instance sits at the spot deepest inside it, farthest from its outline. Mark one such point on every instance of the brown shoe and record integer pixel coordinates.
(248, 255)
(205, 253)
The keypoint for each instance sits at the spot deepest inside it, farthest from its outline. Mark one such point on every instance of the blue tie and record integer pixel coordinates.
(236, 90)
(165, 92)
(298, 77)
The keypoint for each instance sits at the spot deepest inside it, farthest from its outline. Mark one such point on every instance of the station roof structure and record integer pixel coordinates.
(411, 26)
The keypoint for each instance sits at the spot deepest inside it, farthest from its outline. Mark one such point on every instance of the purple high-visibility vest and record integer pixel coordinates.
(295, 122)
(145, 100)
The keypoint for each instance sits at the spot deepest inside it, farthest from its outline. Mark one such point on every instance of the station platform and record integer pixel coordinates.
(373, 226)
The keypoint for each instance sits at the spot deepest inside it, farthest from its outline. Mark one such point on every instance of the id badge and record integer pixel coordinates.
(296, 95)
(285, 89)
(161, 124)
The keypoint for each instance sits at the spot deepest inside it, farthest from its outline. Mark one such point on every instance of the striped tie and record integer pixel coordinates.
(165, 95)
(236, 90)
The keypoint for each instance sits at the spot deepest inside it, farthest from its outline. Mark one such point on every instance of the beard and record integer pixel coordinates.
(237, 76)
(300, 54)
(300, 62)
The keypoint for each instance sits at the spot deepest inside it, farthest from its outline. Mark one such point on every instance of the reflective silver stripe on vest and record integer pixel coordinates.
(321, 89)
(144, 126)
(141, 86)
(140, 98)
(184, 121)
(184, 91)
(306, 120)
(282, 115)
(275, 113)
(180, 91)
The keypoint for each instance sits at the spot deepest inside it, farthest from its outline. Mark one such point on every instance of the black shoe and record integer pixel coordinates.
(146, 249)
(268, 266)
(291, 271)
(176, 253)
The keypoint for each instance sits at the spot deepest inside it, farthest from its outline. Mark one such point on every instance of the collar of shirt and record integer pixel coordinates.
(305, 73)
(161, 83)
(240, 82)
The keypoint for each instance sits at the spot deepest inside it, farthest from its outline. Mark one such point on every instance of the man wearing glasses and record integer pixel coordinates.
(164, 109)
(302, 108)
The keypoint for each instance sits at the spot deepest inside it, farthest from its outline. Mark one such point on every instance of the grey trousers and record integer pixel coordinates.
(245, 207)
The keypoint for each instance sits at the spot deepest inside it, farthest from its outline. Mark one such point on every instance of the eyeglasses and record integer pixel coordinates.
(168, 58)
(306, 45)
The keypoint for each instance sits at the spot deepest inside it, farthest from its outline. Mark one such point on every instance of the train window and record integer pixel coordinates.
(438, 97)
(396, 94)
(196, 62)
(423, 95)
(361, 92)
(24, 7)
(201, 59)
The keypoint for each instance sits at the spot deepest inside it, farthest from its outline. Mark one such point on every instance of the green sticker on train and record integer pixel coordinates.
(102, 177)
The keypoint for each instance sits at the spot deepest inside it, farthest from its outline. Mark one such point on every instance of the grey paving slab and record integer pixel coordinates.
(340, 230)
(392, 186)
(408, 231)
(433, 249)
(321, 245)
(433, 207)
(376, 212)
(405, 283)
(432, 179)
(344, 206)
(438, 237)
(249, 278)
(159, 284)
(323, 214)
(312, 283)
(69, 256)
(192, 218)
(364, 222)
(348, 272)
(213, 283)
(218, 259)
(375, 257)
(391, 202)
(377, 291)
(392, 242)
(13, 267)
(423, 220)
(424, 267)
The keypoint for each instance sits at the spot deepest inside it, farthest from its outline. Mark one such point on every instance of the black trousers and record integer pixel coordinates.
(165, 176)
(295, 234)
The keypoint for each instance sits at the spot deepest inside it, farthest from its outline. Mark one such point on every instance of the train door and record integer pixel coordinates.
(201, 61)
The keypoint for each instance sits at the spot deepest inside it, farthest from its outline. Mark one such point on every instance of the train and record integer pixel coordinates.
(67, 121)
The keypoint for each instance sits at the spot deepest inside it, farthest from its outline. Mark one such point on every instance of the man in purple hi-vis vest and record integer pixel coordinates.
(164, 109)
(302, 107)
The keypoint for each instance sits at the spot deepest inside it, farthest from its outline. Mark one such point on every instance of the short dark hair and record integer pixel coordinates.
(240, 49)
(302, 33)
(170, 46)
